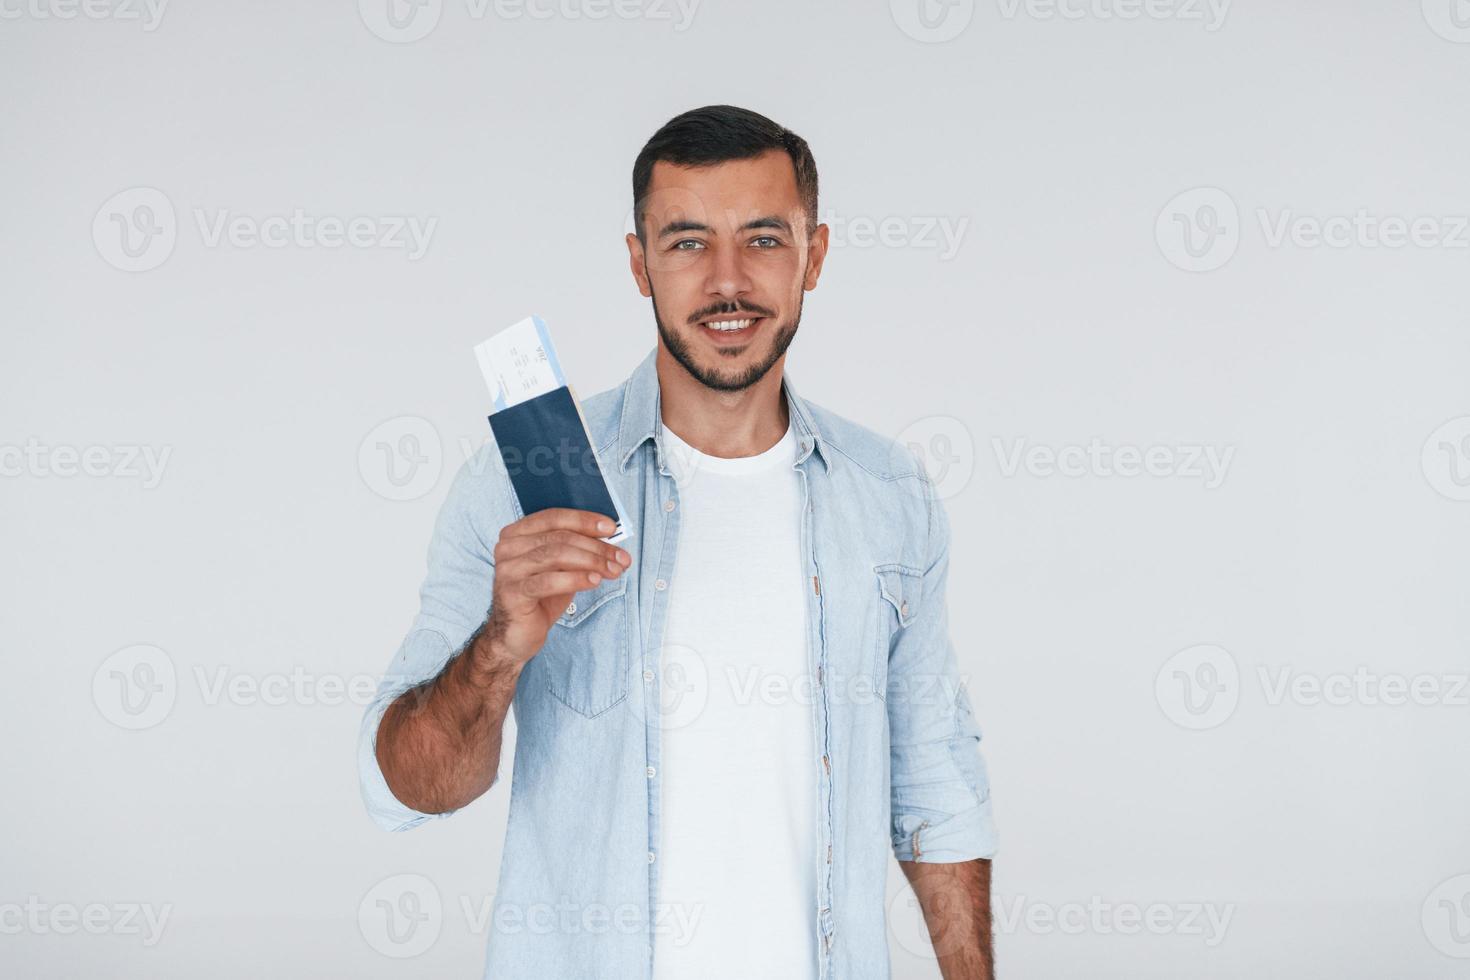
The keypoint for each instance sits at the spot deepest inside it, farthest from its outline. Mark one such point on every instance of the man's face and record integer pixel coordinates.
(726, 257)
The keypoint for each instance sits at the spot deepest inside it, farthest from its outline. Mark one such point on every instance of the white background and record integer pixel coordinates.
(1332, 835)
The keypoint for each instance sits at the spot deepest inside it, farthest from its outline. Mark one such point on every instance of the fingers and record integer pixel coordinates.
(559, 555)
(547, 543)
(561, 519)
(557, 583)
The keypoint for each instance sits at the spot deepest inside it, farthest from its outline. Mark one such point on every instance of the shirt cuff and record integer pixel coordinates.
(963, 837)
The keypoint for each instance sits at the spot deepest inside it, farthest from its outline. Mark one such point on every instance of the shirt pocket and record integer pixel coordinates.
(586, 651)
(899, 587)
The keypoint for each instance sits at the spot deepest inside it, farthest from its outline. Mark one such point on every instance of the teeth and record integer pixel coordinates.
(730, 325)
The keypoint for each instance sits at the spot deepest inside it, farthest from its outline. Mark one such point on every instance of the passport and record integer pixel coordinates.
(539, 428)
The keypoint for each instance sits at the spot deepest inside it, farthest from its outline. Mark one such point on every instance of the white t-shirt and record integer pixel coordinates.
(737, 871)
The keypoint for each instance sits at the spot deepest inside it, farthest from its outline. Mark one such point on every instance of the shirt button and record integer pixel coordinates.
(649, 772)
(572, 609)
(660, 585)
(903, 608)
(650, 857)
(668, 506)
(648, 675)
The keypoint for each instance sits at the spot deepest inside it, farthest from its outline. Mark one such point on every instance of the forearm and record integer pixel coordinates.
(955, 899)
(438, 744)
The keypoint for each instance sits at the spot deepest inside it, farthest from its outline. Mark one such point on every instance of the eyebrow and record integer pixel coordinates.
(767, 221)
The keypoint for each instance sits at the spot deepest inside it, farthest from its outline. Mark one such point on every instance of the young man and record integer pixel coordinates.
(724, 727)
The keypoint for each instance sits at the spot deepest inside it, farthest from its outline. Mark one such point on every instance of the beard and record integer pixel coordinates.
(713, 377)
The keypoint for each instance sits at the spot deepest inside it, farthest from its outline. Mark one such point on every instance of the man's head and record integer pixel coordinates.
(725, 203)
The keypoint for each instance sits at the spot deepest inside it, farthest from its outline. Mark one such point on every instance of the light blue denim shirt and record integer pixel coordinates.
(899, 767)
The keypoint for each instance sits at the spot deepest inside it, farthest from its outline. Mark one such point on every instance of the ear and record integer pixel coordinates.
(815, 256)
(637, 264)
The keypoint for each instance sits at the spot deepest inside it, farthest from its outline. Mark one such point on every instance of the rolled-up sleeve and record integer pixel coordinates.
(453, 602)
(940, 791)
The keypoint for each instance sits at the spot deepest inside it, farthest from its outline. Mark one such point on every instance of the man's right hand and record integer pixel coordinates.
(438, 745)
(541, 562)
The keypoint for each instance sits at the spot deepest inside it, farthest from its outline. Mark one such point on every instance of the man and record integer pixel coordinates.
(724, 727)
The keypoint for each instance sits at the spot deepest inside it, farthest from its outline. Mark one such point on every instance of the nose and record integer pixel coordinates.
(728, 278)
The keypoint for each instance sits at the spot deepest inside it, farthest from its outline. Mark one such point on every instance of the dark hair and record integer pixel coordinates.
(715, 134)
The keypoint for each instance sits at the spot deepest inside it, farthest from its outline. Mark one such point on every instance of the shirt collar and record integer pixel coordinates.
(640, 419)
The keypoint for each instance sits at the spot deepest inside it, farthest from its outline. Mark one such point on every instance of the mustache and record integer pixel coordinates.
(728, 309)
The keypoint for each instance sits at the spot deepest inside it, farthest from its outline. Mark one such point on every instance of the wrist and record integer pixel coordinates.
(490, 654)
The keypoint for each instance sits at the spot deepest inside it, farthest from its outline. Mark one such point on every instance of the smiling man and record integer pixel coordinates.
(724, 729)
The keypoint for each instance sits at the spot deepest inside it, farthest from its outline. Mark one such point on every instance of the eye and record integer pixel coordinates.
(766, 241)
(686, 245)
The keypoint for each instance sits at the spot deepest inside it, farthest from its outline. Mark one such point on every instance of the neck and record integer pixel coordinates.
(728, 424)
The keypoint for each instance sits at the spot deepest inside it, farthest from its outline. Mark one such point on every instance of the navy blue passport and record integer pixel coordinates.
(544, 447)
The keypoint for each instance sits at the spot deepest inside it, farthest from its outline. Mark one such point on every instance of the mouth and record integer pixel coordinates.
(731, 330)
